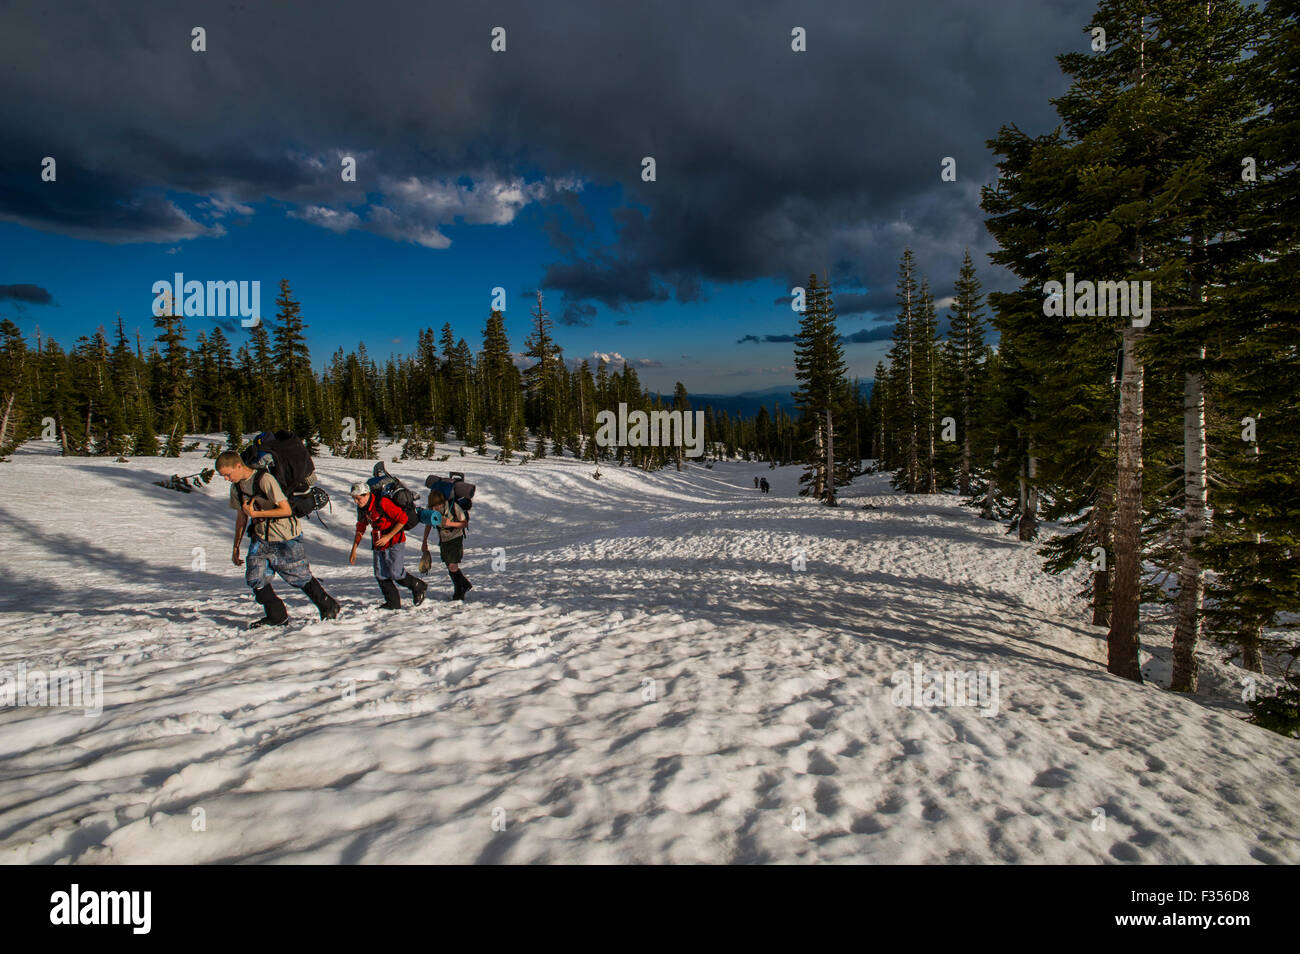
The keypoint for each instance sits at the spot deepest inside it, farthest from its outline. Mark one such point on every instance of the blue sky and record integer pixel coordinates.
(360, 287)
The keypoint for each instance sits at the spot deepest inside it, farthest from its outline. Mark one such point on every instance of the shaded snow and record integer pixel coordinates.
(402, 737)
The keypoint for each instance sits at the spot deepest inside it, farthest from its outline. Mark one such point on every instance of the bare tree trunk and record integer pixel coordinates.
(963, 485)
(1122, 639)
(4, 422)
(1029, 499)
(1191, 578)
(931, 478)
(1102, 515)
(830, 459)
(913, 447)
(991, 489)
(1252, 659)
(819, 474)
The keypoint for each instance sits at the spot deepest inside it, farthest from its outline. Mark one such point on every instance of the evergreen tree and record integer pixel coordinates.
(1255, 539)
(906, 385)
(966, 348)
(821, 398)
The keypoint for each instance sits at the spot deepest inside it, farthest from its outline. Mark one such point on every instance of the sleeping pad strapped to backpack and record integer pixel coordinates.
(453, 487)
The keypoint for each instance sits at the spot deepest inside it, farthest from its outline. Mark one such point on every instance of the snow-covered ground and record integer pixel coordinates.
(645, 676)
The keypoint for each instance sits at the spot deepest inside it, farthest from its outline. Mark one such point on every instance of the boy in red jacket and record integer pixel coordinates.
(388, 542)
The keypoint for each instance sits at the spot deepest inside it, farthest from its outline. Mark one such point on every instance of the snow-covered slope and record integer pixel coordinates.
(644, 677)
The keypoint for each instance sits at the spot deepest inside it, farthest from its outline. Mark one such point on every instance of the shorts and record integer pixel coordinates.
(288, 558)
(452, 551)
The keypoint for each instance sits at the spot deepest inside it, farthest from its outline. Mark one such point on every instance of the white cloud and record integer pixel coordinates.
(224, 205)
(415, 210)
(328, 218)
(615, 361)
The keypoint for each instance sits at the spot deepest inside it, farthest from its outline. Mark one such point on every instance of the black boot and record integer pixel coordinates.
(276, 614)
(417, 587)
(463, 584)
(392, 600)
(328, 605)
(457, 594)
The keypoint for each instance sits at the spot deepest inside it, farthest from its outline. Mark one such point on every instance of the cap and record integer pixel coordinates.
(360, 488)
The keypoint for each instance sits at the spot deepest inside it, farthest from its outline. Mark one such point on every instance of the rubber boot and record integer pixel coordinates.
(328, 605)
(276, 614)
(417, 587)
(392, 600)
(455, 583)
(463, 583)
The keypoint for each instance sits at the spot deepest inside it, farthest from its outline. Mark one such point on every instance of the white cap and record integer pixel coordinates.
(360, 488)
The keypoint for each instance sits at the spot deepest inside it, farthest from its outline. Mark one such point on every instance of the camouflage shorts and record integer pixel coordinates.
(288, 558)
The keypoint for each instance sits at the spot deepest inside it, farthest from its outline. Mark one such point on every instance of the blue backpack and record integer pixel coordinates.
(455, 488)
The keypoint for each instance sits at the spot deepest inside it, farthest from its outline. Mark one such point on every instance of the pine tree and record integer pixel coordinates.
(821, 398)
(292, 364)
(966, 344)
(258, 374)
(174, 377)
(905, 362)
(1255, 539)
(500, 383)
(14, 407)
(541, 387)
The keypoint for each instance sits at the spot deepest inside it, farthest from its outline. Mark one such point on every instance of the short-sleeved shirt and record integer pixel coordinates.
(267, 495)
(450, 511)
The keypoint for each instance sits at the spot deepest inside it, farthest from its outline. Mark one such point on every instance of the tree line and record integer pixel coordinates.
(119, 395)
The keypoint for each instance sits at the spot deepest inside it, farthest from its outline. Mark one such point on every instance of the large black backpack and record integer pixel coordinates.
(284, 456)
(386, 485)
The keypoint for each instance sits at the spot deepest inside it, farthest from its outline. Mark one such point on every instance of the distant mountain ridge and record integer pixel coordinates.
(747, 403)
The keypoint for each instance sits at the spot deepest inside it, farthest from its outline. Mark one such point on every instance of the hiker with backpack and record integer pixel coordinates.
(451, 523)
(764, 486)
(388, 521)
(276, 547)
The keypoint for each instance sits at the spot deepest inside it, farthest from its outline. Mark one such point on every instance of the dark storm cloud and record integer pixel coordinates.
(578, 315)
(27, 294)
(855, 303)
(851, 303)
(770, 163)
(868, 334)
(83, 202)
(858, 337)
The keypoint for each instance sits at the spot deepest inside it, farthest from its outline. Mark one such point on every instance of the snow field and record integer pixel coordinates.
(645, 679)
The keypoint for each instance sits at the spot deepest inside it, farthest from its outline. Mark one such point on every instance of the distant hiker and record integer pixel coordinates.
(755, 483)
(451, 540)
(764, 486)
(388, 543)
(277, 545)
